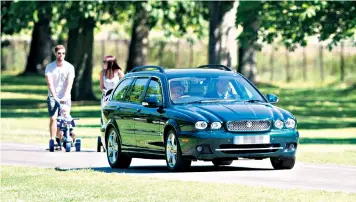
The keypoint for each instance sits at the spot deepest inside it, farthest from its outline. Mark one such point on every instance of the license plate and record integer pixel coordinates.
(256, 139)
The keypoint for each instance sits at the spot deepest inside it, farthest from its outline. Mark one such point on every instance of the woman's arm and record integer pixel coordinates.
(120, 73)
(102, 88)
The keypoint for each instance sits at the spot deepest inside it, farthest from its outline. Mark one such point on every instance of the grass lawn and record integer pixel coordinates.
(89, 185)
(326, 116)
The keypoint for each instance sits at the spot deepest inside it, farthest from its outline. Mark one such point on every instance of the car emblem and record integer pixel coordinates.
(248, 124)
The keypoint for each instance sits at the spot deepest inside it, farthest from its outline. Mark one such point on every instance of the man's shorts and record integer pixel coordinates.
(53, 107)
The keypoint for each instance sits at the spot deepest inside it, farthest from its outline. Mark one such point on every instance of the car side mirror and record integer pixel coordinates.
(151, 102)
(272, 98)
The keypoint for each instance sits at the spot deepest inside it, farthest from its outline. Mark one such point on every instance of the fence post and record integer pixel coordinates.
(321, 63)
(117, 49)
(191, 58)
(177, 54)
(342, 62)
(305, 64)
(288, 76)
(271, 63)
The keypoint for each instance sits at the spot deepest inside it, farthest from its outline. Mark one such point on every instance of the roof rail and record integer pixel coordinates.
(141, 68)
(215, 66)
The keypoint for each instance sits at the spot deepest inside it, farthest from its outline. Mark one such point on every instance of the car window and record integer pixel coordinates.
(121, 89)
(154, 89)
(136, 91)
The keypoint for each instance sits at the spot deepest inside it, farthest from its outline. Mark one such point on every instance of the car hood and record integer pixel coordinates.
(234, 111)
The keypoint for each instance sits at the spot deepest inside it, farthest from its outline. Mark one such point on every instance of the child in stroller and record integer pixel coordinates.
(63, 119)
(66, 136)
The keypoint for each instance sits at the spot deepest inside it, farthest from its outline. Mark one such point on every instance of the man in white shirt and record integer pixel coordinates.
(59, 76)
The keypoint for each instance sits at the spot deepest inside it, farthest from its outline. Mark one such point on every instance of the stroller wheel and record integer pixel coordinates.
(68, 146)
(99, 144)
(51, 145)
(78, 143)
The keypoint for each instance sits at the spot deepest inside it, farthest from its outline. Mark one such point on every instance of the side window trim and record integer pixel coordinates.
(160, 85)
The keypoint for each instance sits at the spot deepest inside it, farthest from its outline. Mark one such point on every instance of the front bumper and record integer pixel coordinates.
(220, 145)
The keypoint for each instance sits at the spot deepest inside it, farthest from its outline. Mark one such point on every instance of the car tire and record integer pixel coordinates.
(282, 163)
(114, 155)
(219, 162)
(173, 154)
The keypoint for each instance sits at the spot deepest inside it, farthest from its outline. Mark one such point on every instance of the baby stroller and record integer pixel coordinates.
(66, 125)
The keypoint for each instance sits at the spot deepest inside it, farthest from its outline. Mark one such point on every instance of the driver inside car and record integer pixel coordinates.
(177, 90)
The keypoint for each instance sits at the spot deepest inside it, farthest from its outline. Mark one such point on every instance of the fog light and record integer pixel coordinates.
(199, 148)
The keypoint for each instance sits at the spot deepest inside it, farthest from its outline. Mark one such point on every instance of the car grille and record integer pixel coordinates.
(249, 125)
(249, 149)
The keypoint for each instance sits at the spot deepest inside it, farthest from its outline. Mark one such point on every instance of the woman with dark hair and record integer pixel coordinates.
(110, 74)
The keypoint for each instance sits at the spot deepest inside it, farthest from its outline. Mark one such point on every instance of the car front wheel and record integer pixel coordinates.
(116, 159)
(174, 159)
(281, 163)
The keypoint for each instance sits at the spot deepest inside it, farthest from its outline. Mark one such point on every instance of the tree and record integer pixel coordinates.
(176, 17)
(294, 21)
(82, 18)
(17, 16)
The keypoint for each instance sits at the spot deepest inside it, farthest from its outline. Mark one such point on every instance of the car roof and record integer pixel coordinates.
(185, 72)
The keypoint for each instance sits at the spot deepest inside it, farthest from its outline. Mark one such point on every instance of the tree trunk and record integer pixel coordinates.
(139, 38)
(80, 55)
(247, 63)
(247, 50)
(217, 10)
(41, 43)
(215, 21)
(4, 44)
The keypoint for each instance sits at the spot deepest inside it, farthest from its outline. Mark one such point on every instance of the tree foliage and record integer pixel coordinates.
(295, 21)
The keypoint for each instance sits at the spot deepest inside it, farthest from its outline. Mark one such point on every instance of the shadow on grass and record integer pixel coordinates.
(20, 103)
(84, 114)
(23, 80)
(164, 169)
(28, 91)
(327, 141)
(325, 125)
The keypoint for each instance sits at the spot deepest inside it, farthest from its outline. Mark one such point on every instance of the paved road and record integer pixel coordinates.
(247, 172)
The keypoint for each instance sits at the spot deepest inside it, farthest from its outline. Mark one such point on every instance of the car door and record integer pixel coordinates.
(149, 122)
(121, 112)
(134, 98)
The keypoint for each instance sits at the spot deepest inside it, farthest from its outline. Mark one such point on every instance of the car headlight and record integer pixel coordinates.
(201, 125)
(215, 125)
(290, 123)
(278, 124)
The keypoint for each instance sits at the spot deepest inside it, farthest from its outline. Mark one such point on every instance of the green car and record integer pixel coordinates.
(207, 113)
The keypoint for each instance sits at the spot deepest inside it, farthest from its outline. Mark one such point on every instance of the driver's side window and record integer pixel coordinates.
(154, 89)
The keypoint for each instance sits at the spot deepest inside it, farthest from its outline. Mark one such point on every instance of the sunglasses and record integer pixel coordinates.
(61, 53)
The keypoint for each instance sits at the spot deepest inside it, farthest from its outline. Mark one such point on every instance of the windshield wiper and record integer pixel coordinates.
(253, 101)
(210, 100)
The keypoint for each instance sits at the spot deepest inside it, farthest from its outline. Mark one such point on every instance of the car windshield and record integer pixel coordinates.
(187, 90)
